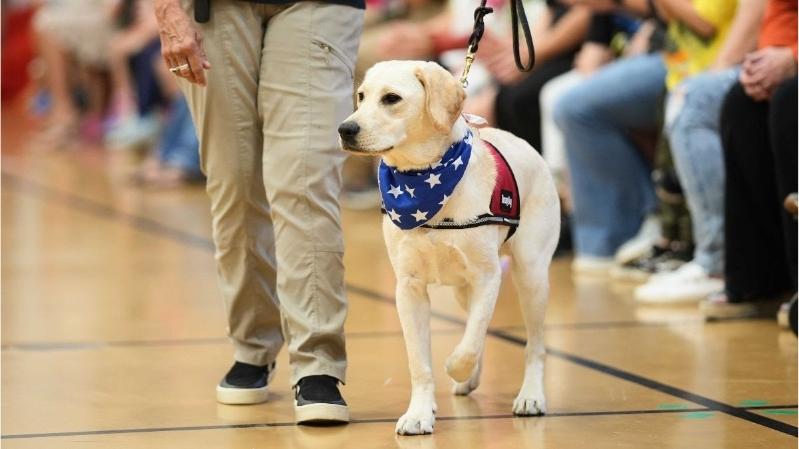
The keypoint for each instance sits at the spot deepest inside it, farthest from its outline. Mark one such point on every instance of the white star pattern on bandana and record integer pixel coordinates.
(396, 191)
(433, 180)
(428, 189)
(394, 215)
(420, 216)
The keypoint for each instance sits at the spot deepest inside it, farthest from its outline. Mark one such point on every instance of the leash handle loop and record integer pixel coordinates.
(518, 16)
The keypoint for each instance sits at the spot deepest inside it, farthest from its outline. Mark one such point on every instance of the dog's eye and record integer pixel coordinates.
(390, 99)
(360, 96)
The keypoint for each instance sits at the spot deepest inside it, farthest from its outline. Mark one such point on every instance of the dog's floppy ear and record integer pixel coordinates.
(443, 95)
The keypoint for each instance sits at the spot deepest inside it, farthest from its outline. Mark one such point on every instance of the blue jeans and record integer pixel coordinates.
(179, 147)
(692, 124)
(610, 181)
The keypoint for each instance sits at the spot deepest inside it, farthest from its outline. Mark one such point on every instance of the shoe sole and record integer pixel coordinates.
(241, 396)
(732, 311)
(727, 311)
(321, 413)
(245, 396)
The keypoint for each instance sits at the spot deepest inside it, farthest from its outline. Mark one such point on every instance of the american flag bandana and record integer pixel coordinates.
(412, 198)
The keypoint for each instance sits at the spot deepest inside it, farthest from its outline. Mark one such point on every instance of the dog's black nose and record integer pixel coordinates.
(348, 130)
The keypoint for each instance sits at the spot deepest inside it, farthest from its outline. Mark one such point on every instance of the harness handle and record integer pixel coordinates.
(517, 16)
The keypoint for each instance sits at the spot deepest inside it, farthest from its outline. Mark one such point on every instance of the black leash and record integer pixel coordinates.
(518, 16)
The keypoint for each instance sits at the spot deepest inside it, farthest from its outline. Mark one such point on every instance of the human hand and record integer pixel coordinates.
(591, 57)
(496, 54)
(181, 42)
(639, 42)
(763, 70)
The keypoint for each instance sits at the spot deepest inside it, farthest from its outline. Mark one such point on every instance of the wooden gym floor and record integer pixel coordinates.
(113, 337)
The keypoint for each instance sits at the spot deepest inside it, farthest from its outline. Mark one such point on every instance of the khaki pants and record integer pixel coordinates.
(281, 81)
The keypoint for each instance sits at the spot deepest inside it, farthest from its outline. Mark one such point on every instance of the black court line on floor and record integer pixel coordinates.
(371, 421)
(158, 228)
(616, 372)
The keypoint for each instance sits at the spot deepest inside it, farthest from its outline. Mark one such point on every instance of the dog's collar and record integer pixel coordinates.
(412, 198)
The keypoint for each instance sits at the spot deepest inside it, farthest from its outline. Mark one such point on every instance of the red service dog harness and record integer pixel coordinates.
(505, 202)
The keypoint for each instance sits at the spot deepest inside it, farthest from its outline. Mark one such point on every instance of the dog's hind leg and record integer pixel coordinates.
(413, 306)
(462, 365)
(532, 285)
(532, 248)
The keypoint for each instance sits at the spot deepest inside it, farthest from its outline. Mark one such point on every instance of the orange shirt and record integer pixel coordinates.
(779, 25)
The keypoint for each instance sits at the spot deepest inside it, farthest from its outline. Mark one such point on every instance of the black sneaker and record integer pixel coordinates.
(245, 384)
(317, 400)
(657, 260)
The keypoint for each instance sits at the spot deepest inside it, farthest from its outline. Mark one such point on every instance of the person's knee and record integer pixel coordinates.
(569, 110)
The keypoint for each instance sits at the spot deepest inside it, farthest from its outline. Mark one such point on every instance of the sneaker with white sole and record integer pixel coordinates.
(318, 400)
(245, 384)
(719, 306)
(591, 266)
(648, 234)
(689, 283)
(657, 260)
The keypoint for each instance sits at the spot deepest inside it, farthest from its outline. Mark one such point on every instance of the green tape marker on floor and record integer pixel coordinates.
(787, 411)
(672, 406)
(697, 415)
(753, 403)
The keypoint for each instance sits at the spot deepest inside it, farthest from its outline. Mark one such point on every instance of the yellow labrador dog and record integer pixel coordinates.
(409, 113)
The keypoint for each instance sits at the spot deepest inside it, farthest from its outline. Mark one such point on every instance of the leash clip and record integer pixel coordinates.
(477, 34)
(467, 67)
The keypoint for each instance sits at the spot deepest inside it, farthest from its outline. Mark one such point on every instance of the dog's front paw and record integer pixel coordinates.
(531, 405)
(464, 388)
(415, 422)
(461, 364)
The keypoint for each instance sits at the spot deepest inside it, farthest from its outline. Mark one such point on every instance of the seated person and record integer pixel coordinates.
(692, 127)
(759, 137)
(610, 179)
(72, 37)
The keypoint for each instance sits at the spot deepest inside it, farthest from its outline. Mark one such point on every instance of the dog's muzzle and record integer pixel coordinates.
(349, 132)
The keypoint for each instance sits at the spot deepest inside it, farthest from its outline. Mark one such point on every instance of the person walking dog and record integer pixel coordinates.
(268, 82)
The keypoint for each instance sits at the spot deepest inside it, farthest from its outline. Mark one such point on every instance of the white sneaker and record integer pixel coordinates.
(689, 283)
(647, 236)
(591, 266)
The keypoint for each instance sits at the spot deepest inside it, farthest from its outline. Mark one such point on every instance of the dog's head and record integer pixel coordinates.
(400, 105)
